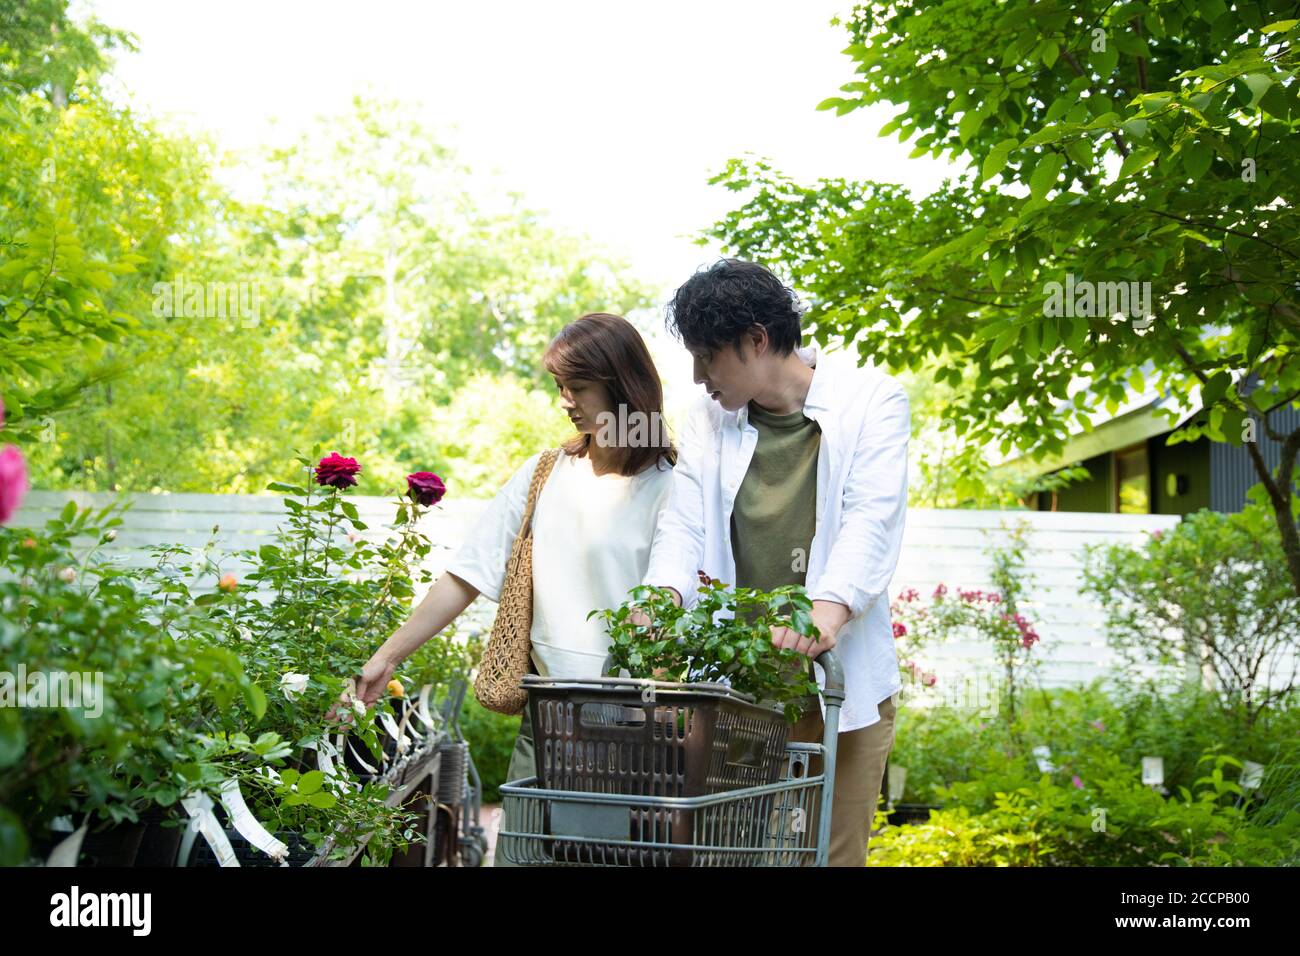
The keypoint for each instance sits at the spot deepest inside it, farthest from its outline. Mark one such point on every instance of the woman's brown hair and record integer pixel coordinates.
(607, 348)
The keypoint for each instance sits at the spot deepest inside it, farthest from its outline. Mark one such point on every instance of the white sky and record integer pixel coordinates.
(610, 116)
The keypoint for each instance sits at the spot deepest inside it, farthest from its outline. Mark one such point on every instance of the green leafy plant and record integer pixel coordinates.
(1212, 594)
(725, 636)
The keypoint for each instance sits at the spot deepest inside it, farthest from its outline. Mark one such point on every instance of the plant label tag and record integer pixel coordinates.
(897, 782)
(68, 852)
(422, 709)
(390, 725)
(247, 825)
(1043, 754)
(204, 821)
(1252, 775)
(1153, 771)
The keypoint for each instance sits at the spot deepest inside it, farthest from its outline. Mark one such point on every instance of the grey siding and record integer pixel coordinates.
(1232, 473)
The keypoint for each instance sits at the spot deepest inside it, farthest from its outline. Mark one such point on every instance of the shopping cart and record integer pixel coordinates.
(783, 823)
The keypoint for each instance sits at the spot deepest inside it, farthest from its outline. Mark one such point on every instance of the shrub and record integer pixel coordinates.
(1212, 593)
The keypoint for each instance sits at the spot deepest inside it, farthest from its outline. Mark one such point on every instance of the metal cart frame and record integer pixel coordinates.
(754, 826)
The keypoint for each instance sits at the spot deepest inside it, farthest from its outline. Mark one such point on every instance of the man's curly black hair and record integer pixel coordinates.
(716, 306)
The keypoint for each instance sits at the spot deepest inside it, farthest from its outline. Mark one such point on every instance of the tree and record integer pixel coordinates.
(1128, 213)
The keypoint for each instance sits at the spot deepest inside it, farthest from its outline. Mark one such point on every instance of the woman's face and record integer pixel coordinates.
(583, 400)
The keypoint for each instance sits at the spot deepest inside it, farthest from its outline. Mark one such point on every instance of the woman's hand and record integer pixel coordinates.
(366, 689)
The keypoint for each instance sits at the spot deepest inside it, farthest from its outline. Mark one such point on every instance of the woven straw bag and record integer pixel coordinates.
(509, 650)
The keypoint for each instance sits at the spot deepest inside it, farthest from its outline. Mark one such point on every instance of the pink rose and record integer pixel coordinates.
(1077, 781)
(425, 487)
(13, 481)
(336, 471)
(899, 630)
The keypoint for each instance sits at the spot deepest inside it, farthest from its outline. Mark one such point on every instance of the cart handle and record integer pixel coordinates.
(834, 689)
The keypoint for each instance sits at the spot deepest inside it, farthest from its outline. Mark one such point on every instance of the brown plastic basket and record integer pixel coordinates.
(650, 738)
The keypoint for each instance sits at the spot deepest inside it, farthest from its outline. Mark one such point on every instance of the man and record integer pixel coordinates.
(793, 470)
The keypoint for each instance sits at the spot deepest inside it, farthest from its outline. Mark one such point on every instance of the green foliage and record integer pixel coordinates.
(41, 49)
(1212, 592)
(374, 277)
(698, 645)
(1132, 143)
(1092, 809)
(141, 660)
(206, 684)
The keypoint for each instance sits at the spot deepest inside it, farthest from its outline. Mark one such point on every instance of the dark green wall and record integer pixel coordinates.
(1187, 458)
(1094, 494)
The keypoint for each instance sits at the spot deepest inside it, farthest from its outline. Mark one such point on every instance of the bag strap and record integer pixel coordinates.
(542, 472)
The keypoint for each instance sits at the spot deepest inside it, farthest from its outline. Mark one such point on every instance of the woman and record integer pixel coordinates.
(593, 522)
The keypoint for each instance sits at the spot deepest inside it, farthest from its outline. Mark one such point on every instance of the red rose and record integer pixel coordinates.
(336, 471)
(425, 487)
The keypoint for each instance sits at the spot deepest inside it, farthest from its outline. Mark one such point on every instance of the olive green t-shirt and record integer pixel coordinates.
(775, 513)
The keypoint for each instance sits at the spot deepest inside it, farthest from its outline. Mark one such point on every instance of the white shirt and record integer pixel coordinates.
(861, 505)
(591, 545)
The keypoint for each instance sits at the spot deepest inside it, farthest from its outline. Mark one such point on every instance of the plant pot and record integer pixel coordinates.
(115, 845)
(300, 851)
(904, 813)
(421, 800)
(162, 837)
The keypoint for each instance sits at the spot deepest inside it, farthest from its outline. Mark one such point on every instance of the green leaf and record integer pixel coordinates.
(255, 698)
(1259, 84)
(13, 739)
(1004, 341)
(1045, 174)
(970, 123)
(1196, 159)
(1214, 389)
(1138, 159)
(13, 840)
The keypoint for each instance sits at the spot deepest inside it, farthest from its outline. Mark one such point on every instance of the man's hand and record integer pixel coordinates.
(829, 616)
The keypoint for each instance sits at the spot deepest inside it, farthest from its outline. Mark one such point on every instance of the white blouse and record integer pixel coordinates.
(591, 545)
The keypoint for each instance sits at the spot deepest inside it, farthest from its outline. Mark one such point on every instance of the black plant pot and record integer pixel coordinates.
(162, 837)
(300, 851)
(115, 845)
(904, 813)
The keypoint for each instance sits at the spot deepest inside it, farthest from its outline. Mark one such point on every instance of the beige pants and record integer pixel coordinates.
(859, 771)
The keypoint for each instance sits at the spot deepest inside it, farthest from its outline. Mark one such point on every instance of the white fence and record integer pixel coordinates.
(940, 546)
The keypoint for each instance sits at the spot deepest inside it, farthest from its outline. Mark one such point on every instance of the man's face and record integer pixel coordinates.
(729, 381)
